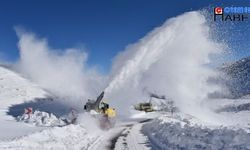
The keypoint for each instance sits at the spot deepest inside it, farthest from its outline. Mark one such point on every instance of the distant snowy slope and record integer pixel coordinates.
(14, 89)
(238, 77)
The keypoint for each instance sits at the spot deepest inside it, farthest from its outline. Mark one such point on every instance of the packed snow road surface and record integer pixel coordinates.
(125, 136)
(132, 138)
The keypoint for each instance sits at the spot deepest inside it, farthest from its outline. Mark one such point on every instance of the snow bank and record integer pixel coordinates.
(181, 135)
(68, 137)
(39, 118)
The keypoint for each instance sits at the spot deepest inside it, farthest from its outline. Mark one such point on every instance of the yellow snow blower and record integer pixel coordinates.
(148, 106)
(102, 109)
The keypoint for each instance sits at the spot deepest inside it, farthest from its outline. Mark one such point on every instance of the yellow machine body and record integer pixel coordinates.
(110, 112)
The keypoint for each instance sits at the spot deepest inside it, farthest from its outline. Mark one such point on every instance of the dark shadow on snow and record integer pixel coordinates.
(42, 104)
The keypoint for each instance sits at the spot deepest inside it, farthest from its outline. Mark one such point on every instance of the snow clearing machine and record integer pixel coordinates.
(101, 110)
(148, 106)
(157, 103)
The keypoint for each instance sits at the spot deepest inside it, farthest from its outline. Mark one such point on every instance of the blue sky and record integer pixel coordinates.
(103, 27)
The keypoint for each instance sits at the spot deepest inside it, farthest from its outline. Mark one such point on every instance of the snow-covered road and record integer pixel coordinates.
(123, 137)
(132, 138)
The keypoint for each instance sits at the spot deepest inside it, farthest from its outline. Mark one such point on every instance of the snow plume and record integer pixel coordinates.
(173, 60)
(63, 73)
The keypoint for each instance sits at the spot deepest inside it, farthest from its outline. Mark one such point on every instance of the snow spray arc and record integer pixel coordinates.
(172, 60)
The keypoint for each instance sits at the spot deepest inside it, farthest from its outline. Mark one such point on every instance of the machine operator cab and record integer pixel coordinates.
(109, 112)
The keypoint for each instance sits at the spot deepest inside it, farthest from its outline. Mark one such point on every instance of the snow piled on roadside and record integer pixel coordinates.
(40, 118)
(68, 137)
(174, 134)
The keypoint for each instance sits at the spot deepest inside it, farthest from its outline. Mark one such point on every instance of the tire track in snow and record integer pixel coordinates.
(123, 137)
(132, 138)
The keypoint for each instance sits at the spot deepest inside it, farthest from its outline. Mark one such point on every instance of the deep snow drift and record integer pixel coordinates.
(167, 133)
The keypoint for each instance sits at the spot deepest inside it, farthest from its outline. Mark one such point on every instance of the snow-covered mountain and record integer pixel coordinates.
(15, 90)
